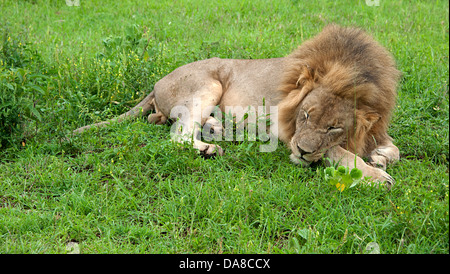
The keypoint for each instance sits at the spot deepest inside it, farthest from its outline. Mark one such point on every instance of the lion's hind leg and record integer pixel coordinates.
(207, 149)
(212, 129)
(195, 120)
(383, 155)
(158, 117)
(192, 133)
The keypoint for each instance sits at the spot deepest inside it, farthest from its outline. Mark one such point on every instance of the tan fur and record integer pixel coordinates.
(335, 95)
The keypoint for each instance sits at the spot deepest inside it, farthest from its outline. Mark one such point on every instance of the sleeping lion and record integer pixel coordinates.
(332, 98)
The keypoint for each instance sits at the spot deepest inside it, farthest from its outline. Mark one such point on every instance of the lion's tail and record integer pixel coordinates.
(140, 109)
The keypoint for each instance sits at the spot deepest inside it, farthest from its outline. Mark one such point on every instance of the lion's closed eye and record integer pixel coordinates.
(332, 129)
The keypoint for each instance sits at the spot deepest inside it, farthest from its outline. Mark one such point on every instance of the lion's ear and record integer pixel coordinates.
(372, 118)
(365, 120)
(307, 75)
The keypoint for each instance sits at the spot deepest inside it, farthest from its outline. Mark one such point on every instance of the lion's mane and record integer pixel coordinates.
(350, 64)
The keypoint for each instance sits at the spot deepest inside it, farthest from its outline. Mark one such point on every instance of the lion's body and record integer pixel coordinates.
(334, 94)
(222, 82)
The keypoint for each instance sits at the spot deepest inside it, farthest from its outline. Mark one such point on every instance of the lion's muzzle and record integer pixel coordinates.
(299, 161)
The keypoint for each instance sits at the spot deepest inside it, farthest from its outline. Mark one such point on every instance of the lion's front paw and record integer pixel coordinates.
(378, 159)
(378, 162)
(383, 155)
(380, 176)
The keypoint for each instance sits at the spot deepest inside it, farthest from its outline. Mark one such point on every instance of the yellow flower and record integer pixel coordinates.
(340, 186)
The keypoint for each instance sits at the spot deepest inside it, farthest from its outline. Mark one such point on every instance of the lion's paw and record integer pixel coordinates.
(381, 176)
(208, 150)
(378, 160)
(213, 150)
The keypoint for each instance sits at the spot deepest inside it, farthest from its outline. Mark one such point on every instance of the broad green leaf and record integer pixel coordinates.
(305, 233)
(36, 114)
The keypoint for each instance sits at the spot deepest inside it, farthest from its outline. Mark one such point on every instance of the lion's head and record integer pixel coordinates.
(339, 88)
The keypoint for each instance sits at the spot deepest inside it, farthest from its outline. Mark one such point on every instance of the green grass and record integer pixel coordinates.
(128, 189)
